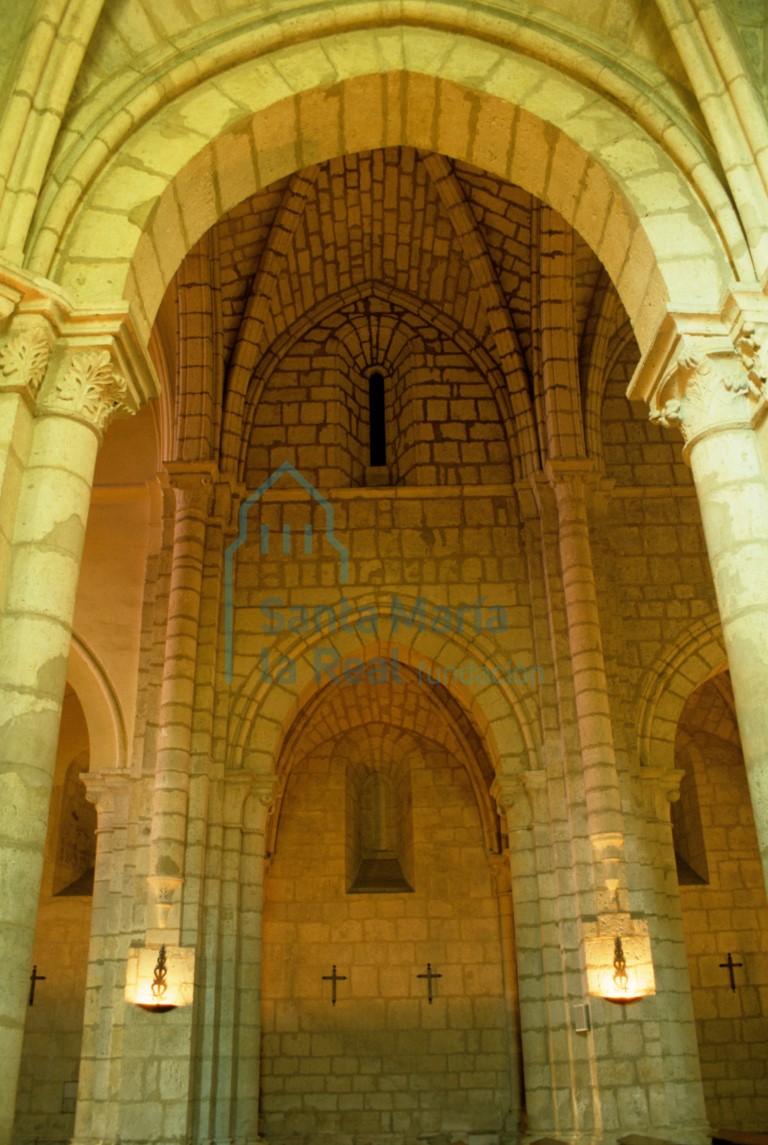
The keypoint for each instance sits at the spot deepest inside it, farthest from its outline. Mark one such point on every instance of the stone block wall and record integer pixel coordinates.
(727, 914)
(383, 1062)
(45, 1107)
(405, 553)
(443, 422)
(413, 541)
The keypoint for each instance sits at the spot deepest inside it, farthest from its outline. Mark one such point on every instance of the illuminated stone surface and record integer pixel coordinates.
(383, 713)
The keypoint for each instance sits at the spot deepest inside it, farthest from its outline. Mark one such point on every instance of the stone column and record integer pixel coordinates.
(222, 1005)
(523, 801)
(24, 357)
(708, 382)
(257, 808)
(193, 488)
(602, 796)
(84, 388)
(228, 1018)
(502, 882)
(674, 1076)
(548, 836)
(671, 1070)
(96, 1115)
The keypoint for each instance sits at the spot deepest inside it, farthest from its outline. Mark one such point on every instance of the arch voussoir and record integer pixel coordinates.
(658, 240)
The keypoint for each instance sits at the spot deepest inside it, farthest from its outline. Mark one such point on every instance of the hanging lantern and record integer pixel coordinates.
(618, 960)
(159, 979)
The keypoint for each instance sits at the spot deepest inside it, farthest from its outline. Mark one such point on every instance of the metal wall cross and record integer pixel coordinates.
(430, 977)
(333, 978)
(34, 978)
(730, 965)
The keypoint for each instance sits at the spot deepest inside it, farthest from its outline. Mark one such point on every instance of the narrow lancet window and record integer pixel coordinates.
(378, 435)
(379, 836)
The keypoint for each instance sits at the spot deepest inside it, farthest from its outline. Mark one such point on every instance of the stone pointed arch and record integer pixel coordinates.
(614, 164)
(104, 719)
(503, 711)
(240, 408)
(459, 733)
(686, 663)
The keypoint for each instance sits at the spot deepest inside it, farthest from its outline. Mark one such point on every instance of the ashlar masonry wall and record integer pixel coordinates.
(383, 1061)
(45, 1106)
(663, 591)
(727, 913)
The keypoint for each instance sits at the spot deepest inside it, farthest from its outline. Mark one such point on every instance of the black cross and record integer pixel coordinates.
(34, 978)
(333, 978)
(430, 977)
(729, 966)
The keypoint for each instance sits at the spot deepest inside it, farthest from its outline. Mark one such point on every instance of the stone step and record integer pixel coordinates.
(738, 1137)
(463, 1137)
(640, 1139)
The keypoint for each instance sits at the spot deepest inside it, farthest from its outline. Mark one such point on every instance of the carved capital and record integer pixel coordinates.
(501, 872)
(193, 488)
(24, 358)
(505, 791)
(89, 389)
(752, 348)
(521, 798)
(713, 384)
(265, 788)
(164, 887)
(242, 785)
(573, 477)
(109, 792)
(656, 788)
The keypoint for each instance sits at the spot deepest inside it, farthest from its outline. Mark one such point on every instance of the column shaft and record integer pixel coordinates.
(501, 870)
(712, 387)
(733, 498)
(601, 785)
(15, 440)
(249, 971)
(103, 1016)
(35, 632)
(171, 790)
(73, 389)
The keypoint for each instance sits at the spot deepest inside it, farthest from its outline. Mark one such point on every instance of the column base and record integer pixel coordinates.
(678, 1135)
(178, 1141)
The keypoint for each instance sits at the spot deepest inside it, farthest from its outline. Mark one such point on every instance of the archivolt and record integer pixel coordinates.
(504, 714)
(685, 664)
(653, 211)
(241, 407)
(106, 728)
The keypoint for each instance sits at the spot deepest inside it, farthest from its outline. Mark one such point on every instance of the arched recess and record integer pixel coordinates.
(446, 916)
(449, 715)
(106, 728)
(688, 662)
(406, 320)
(619, 170)
(503, 710)
(51, 1050)
(714, 834)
